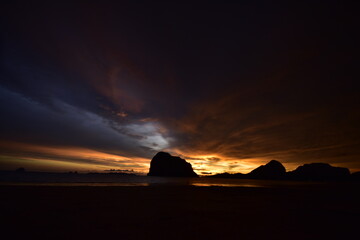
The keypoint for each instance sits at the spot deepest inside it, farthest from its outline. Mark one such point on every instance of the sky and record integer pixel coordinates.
(96, 85)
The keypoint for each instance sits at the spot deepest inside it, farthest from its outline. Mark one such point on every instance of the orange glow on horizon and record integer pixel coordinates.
(213, 163)
(84, 159)
(62, 155)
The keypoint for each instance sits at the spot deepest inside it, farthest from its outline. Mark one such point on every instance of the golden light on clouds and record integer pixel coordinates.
(210, 166)
(205, 164)
(70, 158)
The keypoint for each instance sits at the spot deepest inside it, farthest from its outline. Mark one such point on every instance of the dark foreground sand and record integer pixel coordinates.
(180, 212)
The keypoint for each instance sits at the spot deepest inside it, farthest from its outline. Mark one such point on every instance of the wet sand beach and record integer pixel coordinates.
(181, 212)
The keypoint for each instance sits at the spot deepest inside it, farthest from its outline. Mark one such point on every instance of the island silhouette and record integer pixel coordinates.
(165, 165)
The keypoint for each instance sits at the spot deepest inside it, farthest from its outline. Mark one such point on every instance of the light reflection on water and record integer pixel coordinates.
(110, 184)
(143, 181)
(223, 185)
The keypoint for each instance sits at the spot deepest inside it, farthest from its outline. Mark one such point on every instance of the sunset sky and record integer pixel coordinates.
(96, 86)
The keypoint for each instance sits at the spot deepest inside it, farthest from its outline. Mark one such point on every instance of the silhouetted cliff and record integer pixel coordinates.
(272, 170)
(165, 165)
(319, 171)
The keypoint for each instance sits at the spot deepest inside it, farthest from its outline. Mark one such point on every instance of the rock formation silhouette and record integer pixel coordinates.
(319, 171)
(272, 170)
(165, 165)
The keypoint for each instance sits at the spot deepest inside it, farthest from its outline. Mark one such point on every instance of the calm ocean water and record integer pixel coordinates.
(50, 179)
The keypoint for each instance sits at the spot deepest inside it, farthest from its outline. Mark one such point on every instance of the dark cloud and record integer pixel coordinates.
(65, 125)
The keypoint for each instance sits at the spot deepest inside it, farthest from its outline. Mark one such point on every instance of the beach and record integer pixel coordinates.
(327, 211)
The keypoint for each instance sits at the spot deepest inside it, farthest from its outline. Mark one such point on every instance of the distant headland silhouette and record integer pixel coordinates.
(274, 170)
(165, 165)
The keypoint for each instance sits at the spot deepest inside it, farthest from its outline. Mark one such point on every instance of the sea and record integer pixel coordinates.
(99, 180)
